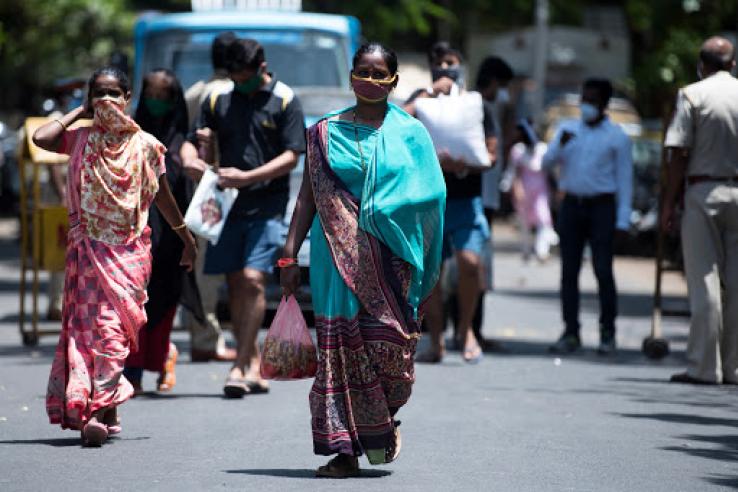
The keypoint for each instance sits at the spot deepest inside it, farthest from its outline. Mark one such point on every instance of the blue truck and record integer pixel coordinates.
(309, 52)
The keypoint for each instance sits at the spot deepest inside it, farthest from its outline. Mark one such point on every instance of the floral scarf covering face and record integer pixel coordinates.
(121, 166)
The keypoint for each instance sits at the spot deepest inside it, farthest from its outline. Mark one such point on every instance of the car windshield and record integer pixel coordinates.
(299, 59)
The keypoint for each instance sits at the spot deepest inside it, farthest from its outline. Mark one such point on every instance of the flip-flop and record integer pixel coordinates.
(470, 357)
(168, 378)
(94, 434)
(257, 386)
(114, 429)
(236, 388)
(394, 451)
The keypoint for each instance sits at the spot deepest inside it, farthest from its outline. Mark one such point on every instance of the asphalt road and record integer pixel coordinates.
(523, 420)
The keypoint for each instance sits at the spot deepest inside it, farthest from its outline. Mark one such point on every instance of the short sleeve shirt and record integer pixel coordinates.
(706, 122)
(470, 186)
(251, 131)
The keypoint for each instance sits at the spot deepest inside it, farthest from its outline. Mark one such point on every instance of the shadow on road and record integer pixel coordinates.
(629, 304)
(721, 447)
(678, 418)
(152, 395)
(65, 442)
(723, 480)
(725, 448)
(302, 473)
(61, 442)
(532, 348)
(34, 352)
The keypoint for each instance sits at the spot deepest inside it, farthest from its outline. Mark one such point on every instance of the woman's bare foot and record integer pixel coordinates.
(111, 421)
(472, 350)
(342, 466)
(95, 433)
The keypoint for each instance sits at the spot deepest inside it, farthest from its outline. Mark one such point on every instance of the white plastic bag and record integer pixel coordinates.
(456, 125)
(209, 207)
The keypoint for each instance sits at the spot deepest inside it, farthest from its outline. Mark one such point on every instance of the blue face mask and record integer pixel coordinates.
(589, 112)
(453, 72)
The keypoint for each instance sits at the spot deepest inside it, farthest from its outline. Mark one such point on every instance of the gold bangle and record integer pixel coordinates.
(61, 123)
(179, 227)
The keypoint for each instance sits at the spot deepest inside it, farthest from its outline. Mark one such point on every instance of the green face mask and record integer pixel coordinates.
(158, 107)
(250, 85)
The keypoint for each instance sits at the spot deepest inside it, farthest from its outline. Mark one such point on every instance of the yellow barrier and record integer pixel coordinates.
(44, 226)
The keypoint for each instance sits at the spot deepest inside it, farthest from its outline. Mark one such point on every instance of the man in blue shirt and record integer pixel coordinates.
(596, 178)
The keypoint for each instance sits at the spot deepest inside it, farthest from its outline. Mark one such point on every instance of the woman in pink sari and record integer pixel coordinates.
(116, 172)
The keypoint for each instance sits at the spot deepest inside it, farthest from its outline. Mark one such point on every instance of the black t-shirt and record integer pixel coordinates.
(251, 131)
(470, 186)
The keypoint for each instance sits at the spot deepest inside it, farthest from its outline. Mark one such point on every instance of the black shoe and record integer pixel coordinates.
(685, 378)
(566, 344)
(607, 346)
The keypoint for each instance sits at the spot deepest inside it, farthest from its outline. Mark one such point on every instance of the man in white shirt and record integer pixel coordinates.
(597, 179)
(703, 144)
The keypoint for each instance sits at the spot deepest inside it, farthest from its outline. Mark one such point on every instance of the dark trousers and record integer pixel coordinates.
(582, 221)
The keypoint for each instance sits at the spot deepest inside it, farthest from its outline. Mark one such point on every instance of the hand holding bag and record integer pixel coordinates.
(209, 207)
(289, 352)
(455, 123)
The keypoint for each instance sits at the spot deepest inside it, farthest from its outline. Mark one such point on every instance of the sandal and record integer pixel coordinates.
(168, 378)
(257, 386)
(94, 434)
(393, 451)
(342, 466)
(474, 355)
(236, 388)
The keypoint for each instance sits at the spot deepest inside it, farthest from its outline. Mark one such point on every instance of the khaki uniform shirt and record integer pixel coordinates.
(196, 94)
(706, 122)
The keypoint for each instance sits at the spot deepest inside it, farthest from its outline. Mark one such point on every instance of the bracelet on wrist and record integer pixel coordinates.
(287, 262)
(64, 127)
(179, 227)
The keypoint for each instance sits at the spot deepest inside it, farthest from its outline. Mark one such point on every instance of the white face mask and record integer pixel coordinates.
(589, 112)
(503, 96)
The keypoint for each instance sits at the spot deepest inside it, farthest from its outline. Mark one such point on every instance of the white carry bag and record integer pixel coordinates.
(209, 207)
(456, 125)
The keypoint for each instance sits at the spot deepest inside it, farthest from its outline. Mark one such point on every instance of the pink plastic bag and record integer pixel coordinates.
(289, 352)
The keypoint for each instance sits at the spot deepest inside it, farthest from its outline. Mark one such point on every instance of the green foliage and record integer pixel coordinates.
(43, 40)
(385, 20)
(665, 40)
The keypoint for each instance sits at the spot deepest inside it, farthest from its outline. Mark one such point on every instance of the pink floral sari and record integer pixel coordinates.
(105, 293)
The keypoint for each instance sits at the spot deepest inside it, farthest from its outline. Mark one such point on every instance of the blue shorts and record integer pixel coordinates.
(245, 243)
(465, 227)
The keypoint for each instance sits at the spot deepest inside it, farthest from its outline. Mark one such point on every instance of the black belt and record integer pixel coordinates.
(590, 199)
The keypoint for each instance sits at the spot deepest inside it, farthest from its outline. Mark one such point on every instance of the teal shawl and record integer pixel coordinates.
(396, 198)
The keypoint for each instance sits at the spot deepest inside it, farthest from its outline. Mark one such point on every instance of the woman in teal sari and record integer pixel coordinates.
(373, 198)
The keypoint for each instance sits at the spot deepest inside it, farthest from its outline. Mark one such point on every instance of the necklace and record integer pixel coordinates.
(358, 145)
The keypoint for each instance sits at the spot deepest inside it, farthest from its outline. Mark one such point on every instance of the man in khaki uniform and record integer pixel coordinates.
(206, 340)
(703, 144)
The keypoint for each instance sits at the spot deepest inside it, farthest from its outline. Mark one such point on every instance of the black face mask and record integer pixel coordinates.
(452, 72)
